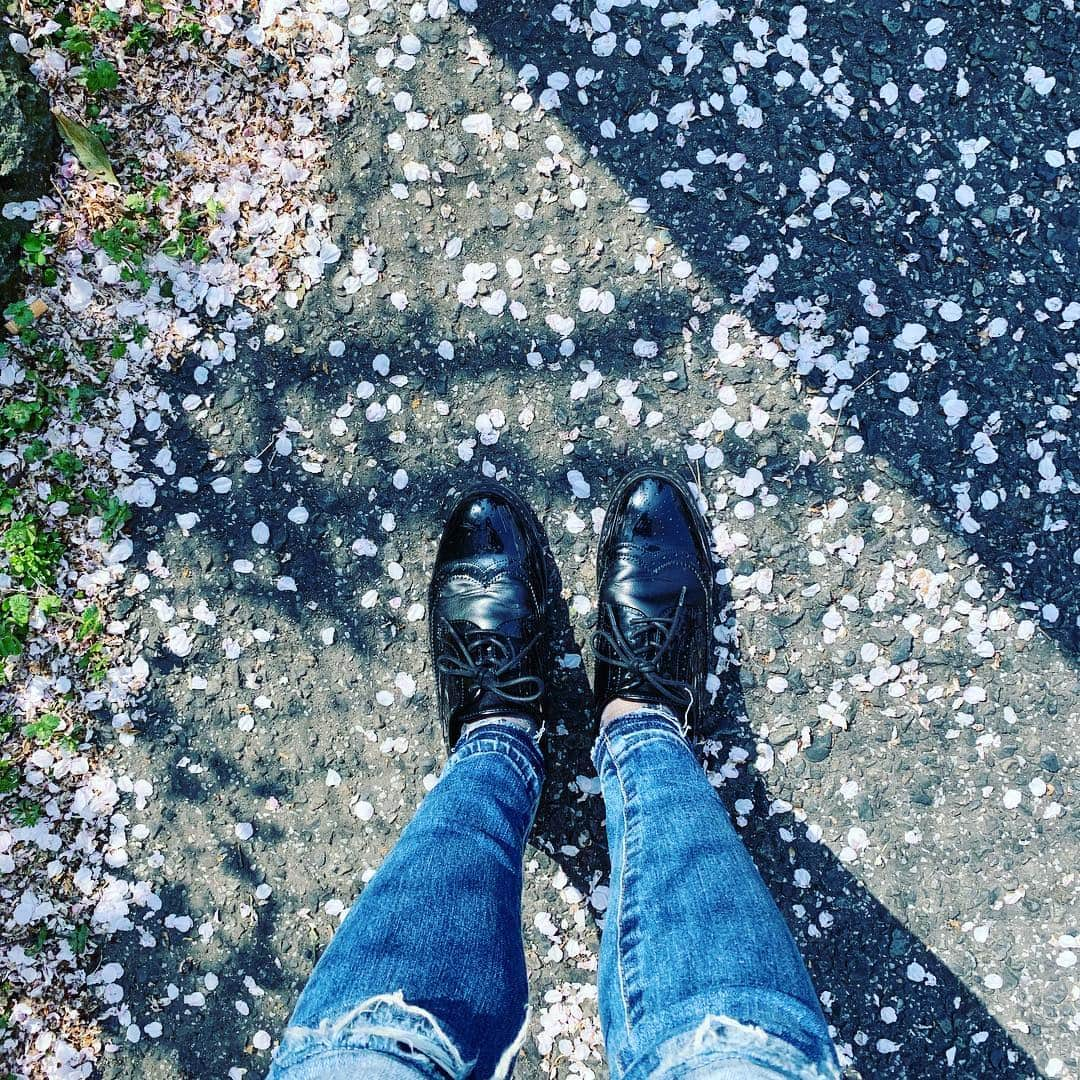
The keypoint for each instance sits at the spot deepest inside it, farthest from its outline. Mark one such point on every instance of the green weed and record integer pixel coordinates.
(104, 19)
(115, 512)
(21, 315)
(140, 38)
(94, 663)
(100, 76)
(43, 728)
(9, 777)
(77, 395)
(76, 43)
(91, 623)
(189, 29)
(33, 552)
(127, 244)
(22, 418)
(27, 813)
(36, 248)
(66, 464)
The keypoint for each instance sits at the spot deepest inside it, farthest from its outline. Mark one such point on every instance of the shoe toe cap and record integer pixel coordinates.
(656, 511)
(482, 525)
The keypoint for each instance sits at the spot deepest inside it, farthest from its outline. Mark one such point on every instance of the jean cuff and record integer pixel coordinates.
(724, 1046)
(383, 1037)
(517, 746)
(648, 721)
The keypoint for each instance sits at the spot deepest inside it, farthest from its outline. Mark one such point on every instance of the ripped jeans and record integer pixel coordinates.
(699, 976)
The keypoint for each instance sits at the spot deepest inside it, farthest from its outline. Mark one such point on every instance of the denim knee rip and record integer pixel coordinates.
(387, 1025)
(741, 1051)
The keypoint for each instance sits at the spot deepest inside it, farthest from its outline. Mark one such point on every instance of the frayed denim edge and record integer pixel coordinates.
(723, 1039)
(415, 1027)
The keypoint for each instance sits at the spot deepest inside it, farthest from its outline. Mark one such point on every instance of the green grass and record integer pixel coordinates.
(40, 940)
(79, 939)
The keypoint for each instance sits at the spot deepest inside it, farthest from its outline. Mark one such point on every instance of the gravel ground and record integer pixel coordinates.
(860, 342)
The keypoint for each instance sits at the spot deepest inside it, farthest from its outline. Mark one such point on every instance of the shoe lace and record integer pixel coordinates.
(485, 657)
(640, 652)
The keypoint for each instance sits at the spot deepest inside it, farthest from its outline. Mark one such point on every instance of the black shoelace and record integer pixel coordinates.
(484, 657)
(640, 657)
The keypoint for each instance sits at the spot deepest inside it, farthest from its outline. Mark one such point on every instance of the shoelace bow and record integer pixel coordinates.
(485, 657)
(641, 657)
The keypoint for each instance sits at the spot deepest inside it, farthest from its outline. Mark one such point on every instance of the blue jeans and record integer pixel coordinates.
(699, 976)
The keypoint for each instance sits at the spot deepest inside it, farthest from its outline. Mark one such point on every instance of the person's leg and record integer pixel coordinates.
(699, 975)
(426, 975)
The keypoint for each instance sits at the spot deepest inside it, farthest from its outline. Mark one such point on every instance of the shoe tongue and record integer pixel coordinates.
(486, 650)
(644, 636)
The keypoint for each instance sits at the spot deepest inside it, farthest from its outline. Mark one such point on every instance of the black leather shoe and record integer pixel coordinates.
(653, 641)
(488, 609)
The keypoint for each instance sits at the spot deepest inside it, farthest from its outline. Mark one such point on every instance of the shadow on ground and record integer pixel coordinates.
(912, 254)
(857, 950)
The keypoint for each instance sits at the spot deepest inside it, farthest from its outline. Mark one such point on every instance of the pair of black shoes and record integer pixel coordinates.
(491, 603)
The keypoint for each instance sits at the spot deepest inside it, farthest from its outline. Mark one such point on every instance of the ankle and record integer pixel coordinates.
(617, 707)
(519, 723)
